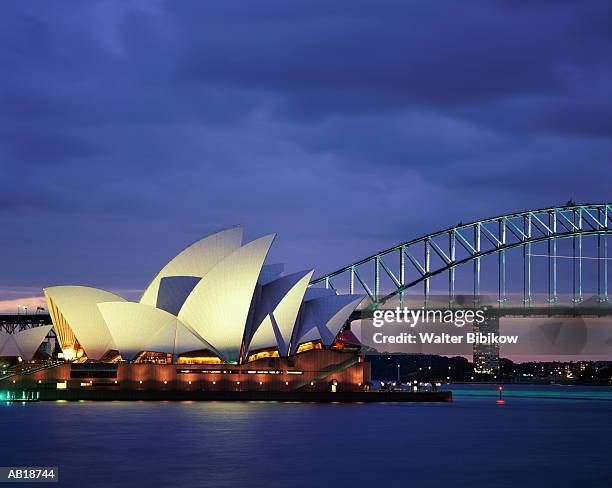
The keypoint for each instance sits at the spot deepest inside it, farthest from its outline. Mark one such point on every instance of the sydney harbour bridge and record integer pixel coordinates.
(545, 261)
(552, 261)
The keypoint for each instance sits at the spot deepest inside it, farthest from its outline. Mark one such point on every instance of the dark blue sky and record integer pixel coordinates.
(130, 129)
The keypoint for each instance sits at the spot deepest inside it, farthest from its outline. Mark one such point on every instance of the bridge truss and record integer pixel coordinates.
(414, 263)
(11, 323)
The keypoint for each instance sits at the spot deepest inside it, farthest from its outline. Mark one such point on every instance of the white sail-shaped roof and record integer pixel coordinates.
(339, 318)
(286, 312)
(183, 339)
(4, 337)
(28, 341)
(9, 346)
(218, 306)
(266, 336)
(306, 323)
(313, 334)
(313, 293)
(136, 327)
(162, 339)
(279, 305)
(187, 340)
(306, 330)
(78, 307)
(196, 260)
(323, 318)
(216, 294)
(24, 343)
(268, 273)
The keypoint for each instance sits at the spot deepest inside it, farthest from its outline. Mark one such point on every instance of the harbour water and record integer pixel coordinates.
(541, 436)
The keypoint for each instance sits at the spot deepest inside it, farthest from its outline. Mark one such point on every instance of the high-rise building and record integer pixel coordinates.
(486, 356)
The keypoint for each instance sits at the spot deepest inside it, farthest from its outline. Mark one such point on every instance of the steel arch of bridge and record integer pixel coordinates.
(485, 237)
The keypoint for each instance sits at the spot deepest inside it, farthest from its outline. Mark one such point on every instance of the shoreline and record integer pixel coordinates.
(241, 396)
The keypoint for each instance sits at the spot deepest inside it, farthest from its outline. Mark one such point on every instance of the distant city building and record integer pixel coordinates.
(486, 356)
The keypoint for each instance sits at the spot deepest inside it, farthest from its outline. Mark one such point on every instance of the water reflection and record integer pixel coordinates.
(472, 441)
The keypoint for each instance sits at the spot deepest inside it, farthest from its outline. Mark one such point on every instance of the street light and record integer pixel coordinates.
(398, 373)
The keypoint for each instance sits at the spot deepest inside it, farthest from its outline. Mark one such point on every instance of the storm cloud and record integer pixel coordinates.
(130, 129)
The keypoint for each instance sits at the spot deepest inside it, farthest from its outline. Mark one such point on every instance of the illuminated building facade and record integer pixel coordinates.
(215, 316)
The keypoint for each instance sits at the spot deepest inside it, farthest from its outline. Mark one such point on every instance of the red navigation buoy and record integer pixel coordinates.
(500, 401)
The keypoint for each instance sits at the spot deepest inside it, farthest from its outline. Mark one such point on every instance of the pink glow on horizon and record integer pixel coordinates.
(11, 306)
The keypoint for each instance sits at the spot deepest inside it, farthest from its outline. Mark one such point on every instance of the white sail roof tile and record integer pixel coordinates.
(218, 307)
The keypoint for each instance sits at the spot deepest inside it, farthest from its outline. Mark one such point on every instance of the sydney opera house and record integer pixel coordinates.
(216, 317)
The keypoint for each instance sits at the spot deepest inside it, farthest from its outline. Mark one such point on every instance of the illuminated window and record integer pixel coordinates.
(269, 353)
(264, 371)
(208, 371)
(201, 356)
(309, 346)
(199, 360)
(149, 357)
